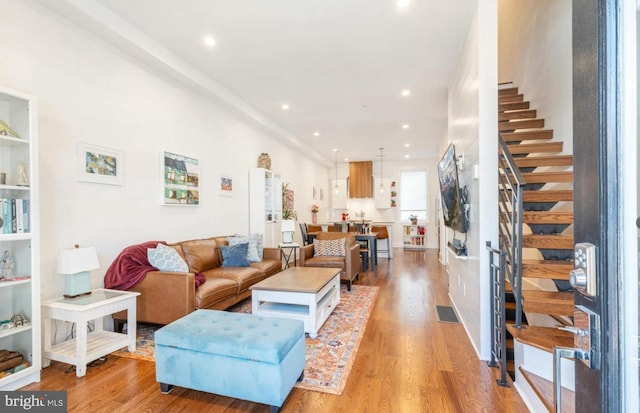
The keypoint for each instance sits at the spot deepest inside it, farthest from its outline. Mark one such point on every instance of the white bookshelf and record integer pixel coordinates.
(413, 237)
(265, 204)
(19, 235)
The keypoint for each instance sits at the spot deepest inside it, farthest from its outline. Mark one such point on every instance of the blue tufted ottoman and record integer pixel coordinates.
(238, 355)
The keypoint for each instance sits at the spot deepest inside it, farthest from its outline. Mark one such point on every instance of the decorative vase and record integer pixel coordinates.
(314, 217)
(264, 161)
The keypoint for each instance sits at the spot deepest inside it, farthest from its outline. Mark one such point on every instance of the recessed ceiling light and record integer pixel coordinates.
(403, 3)
(209, 41)
(405, 92)
(316, 133)
(406, 145)
(406, 156)
(285, 106)
(335, 149)
(405, 126)
(346, 159)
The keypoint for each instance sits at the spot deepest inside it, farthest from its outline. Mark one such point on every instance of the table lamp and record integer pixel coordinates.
(288, 228)
(75, 264)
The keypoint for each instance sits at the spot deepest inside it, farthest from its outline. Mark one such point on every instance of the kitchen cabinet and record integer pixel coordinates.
(361, 179)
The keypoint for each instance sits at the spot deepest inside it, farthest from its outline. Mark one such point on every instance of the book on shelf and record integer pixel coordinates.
(15, 214)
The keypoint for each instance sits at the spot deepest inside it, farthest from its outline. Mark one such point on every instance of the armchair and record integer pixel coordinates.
(349, 263)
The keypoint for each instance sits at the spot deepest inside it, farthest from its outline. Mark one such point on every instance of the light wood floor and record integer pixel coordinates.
(407, 362)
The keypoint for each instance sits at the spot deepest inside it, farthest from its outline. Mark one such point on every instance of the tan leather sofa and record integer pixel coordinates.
(167, 296)
(350, 263)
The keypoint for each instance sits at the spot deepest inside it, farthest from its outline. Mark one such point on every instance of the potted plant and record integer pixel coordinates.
(314, 213)
(413, 219)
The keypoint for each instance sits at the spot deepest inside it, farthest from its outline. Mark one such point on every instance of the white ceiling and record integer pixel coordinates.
(339, 64)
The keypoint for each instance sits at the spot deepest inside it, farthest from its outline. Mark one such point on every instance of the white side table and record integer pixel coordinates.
(86, 347)
(289, 249)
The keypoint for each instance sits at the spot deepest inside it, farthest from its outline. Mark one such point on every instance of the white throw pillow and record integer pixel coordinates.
(254, 253)
(166, 258)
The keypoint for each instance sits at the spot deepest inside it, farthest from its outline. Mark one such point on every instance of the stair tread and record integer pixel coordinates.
(520, 124)
(527, 148)
(548, 176)
(543, 338)
(544, 177)
(548, 241)
(547, 269)
(508, 91)
(547, 217)
(524, 134)
(547, 302)
(536, 161)
(544, 390)
(511, 98)
(517, 114)
(512, 106)
(554, 195)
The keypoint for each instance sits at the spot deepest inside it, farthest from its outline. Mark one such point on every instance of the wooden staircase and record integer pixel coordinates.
(547, 229)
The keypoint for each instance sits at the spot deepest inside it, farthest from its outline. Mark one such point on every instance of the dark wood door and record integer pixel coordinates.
(597, 191)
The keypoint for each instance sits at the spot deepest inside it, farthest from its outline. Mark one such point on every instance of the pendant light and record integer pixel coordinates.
(381, 175)
(335, 187)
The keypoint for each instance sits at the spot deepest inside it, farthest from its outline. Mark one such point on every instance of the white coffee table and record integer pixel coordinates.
(304, 293)
(86, 347)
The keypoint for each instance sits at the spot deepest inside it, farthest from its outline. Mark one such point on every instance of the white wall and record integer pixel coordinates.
(89, 91)
(535, 53)
(473, 130)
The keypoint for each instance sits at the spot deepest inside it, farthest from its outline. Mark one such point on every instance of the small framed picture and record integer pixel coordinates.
(315, 193)
(99, 165)
(180, 180)
(226, 184)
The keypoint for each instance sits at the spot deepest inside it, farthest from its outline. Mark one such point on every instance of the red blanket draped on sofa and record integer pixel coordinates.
(131, 266)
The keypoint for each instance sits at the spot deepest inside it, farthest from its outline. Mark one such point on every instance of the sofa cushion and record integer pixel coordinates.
(244, 277)
(214, 290)
(201, 254)
(327, 261)
(252, 240)
(269, 267)
(235, 255)
(333, 247)
(166, 258)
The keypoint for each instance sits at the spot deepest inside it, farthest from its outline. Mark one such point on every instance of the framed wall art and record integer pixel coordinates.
(180, 180)
(226, 184)
(99, 165)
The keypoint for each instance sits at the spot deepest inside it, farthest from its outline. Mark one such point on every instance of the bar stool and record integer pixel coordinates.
(382, 233)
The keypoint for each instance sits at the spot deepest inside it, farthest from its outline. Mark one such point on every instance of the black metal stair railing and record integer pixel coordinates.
(498, 314)
(511, 183)
(509, 253)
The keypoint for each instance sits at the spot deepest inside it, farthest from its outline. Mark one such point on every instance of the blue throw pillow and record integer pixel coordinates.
(235, 255)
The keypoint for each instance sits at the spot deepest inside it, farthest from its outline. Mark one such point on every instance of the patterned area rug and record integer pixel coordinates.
(329, 356)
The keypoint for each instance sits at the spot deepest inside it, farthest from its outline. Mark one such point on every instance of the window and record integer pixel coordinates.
(413, 195)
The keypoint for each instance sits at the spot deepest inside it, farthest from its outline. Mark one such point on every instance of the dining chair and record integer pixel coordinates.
(382, 233)
(303, 233)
